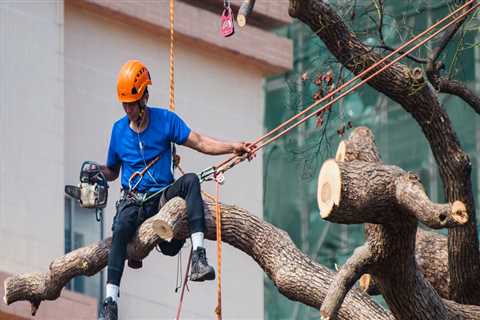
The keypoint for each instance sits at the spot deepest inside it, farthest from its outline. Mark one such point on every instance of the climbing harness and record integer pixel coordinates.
(227, 27)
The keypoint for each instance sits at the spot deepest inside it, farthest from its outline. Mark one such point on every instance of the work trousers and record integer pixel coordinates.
(131, 214)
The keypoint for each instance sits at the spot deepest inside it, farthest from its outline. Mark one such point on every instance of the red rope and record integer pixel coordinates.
(234, 160)
(185, 279)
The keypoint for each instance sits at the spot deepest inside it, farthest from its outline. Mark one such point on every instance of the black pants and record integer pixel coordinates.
(130, 215)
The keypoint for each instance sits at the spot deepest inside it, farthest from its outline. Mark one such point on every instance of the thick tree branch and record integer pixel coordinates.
(366, 192)
(295, 274)
(430, 248)
(411, 197)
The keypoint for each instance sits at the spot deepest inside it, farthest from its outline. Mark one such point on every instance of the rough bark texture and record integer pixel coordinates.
(421, 102)
(373, 193)
(391, 246)
(431, 248)
(296, 276)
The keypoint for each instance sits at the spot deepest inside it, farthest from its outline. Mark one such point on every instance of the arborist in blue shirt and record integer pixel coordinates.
(142, 142)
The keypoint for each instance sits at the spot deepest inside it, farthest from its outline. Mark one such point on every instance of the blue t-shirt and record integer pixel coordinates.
(135, 151)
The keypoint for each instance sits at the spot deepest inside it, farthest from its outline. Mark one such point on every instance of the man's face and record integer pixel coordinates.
(132, 109)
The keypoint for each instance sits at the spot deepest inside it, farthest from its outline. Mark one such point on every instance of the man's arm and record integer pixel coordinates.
(212, 146)
(110, 174)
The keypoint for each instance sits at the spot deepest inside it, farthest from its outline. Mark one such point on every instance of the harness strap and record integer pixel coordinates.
(140, 174)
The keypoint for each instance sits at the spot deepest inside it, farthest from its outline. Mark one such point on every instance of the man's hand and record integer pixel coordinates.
(240, 148)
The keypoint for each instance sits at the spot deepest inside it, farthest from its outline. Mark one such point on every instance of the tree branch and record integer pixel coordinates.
(344, 280)
(391, 240)
(411, 197)
(460, 90)
(296, 276)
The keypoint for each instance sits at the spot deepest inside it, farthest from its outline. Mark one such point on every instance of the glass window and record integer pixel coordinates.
(81, 229)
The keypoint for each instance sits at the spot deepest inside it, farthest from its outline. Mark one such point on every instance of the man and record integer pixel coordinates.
(142, 141)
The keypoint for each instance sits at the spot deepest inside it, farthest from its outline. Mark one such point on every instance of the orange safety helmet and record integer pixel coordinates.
(132, 81)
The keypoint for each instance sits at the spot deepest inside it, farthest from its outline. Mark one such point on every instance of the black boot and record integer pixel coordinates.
(110, 309)
(201, 271)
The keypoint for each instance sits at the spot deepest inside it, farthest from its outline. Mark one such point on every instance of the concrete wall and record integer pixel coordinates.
(32, 151)
(31, 134)
(216, 96)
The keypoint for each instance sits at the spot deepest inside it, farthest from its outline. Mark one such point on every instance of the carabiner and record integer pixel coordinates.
(207, 174)
(132, 177)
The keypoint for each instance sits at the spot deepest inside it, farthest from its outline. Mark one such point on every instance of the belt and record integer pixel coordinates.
(138, 196)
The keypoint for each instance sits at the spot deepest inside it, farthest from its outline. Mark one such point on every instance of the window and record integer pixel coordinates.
(81, 228)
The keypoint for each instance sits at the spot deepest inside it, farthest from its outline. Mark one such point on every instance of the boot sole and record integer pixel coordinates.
(207, 276)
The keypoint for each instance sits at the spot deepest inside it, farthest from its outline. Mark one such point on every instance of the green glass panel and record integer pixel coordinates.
(291, 164)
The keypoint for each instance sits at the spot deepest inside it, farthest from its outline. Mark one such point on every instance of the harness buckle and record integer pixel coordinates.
(207, 174)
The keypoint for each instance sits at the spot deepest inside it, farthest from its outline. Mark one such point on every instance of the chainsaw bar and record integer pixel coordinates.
(73, 191)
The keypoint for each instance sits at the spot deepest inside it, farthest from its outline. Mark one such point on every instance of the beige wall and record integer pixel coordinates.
(31, 151)
(31, 134)
(216, 96)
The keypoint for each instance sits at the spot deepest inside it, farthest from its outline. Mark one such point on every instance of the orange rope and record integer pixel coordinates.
(218, 220)
(172, 56)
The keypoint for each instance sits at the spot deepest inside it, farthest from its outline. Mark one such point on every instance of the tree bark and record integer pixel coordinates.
(421, 102)
(430, 248)
(296, 276)
(389, 254)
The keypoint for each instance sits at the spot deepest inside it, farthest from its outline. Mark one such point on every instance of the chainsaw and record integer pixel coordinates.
(92, 192)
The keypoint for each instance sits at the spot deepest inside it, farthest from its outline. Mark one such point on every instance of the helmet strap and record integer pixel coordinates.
(141, 112)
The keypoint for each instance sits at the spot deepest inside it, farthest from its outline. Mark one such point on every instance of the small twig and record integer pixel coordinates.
(411, 57)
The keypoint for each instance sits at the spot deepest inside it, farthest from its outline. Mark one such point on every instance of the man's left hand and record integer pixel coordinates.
(240, 148)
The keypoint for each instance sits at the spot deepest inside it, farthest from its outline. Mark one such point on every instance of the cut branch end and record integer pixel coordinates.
(459, 212)
(329, 187)
(162, 229)
(364, 282)
(342, 149)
